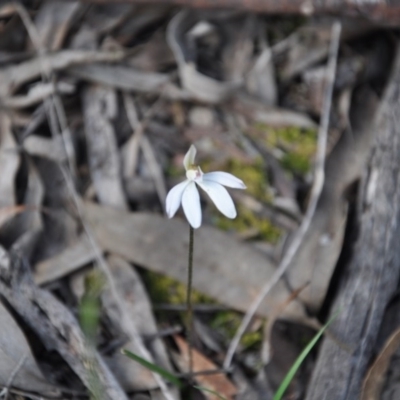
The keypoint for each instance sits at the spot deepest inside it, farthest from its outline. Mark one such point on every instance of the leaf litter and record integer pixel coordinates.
(99, 103)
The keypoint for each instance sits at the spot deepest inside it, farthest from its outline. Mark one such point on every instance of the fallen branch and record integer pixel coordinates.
(381, 11)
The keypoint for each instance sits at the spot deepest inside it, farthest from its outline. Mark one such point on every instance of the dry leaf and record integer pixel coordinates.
(375, 377)
(36, 94)
(9, 162)
(100, 108)
(256, 111)
(218, 382)
(78, 254)
(121, 77)
(224, 268)
(53, 20)
(12, 77)
(133, 376)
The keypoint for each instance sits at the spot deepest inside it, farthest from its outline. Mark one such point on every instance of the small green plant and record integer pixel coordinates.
(89, 319)
(168, 376)
(295, 367)
(204, 389)
(154, 368)
(90, 307)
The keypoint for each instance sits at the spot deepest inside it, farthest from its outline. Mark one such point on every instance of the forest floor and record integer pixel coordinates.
(99, 105)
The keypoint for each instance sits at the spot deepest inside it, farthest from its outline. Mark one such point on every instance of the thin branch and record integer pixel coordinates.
(319, 177)
(21, 362)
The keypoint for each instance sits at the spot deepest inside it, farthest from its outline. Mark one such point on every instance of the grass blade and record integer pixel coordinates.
(204, 389)
(288, 378)
(154, 368)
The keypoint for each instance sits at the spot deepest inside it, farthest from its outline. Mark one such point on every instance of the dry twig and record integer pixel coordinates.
(4, 391)
(314, 197)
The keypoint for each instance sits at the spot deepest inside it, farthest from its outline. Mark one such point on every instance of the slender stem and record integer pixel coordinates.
(189, 327)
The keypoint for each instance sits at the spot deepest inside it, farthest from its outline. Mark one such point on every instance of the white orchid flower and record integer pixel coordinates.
(212, 183)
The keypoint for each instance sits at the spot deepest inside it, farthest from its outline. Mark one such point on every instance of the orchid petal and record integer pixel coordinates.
(220, 197)
(223, 178)
(191, 205)
(174, 197)
(189, 157)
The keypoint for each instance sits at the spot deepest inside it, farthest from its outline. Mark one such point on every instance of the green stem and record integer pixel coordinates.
(189, 327)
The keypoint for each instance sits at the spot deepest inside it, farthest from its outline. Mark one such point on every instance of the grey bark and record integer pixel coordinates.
(371, 275)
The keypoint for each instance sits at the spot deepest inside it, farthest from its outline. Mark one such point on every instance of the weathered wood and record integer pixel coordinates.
(370, 277)
(382, 11)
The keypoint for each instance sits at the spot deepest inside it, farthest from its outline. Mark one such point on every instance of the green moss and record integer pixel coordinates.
(252, 173)
(296, 163)
(228, 322)
(298, 145)
(163, 289)
(254, 176)
(247, 220)
(252, 339)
